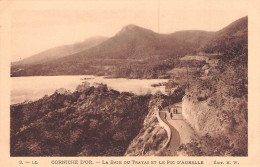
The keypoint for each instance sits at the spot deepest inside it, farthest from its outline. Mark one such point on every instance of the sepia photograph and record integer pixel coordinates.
(135, 82)
(127, 78)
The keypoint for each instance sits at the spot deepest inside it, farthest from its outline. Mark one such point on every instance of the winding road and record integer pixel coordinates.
(181, 131)
(175, 136)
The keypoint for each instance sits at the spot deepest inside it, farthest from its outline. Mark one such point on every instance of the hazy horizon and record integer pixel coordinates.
(45, 24)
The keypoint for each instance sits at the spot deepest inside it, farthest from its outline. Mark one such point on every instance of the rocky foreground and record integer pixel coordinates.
(92, 121)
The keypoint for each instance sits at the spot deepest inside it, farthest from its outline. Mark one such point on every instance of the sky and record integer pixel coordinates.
(43, 24)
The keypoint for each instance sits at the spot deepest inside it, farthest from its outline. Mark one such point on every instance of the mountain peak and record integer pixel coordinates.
(133, 28)
(130, 27)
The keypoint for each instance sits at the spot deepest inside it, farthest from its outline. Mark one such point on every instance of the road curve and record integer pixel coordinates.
(175, 136)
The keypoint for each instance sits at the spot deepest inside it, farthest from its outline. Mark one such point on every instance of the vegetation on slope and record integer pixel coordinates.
(231, 40)
(225, 91)
(221, 83)
(92, 122)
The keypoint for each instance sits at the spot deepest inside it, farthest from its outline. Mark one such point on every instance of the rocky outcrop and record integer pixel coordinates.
(150, 140)
(222, 131)
(88, 122)
(202, 117)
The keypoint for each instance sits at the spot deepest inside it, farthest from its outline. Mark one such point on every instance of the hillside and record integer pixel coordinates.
(61, 51)
(133, 47)
(197, 37)
(134, 42)
(230, 40)
(216, 96)
(216, 106)
(136, 52)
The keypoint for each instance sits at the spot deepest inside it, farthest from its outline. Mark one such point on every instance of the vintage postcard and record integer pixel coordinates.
(129, 83)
